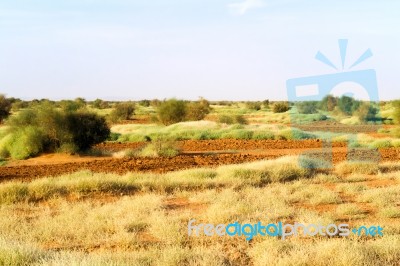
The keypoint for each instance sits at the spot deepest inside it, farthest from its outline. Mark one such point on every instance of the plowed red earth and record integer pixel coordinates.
(196, 154)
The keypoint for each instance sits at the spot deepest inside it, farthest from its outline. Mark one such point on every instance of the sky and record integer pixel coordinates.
(216, 49)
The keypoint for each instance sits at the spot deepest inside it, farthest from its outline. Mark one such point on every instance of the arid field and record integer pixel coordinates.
(127, 200)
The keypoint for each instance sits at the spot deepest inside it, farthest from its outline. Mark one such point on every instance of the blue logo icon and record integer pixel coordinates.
(315, 88)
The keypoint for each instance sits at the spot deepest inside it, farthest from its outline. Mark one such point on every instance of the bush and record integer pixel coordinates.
(280, 107)
(172, 111)
(198, 110)
(366, 112)
(396, 113)
(159, 148)
(122, 111)
(5, 107)
(348, 105)
(253, 106)
(45, 128)
(145, 103)
(25, 142)
(100, 104)
(307, 107)
(87, 129)
(328, 103)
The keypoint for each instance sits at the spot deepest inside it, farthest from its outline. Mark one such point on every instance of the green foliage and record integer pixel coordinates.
(198, 110)
(307, 107)
(145, 103)
(100, 104)
(232, 119)
(172, 111)
(72, 106)
(5, 107)
(328, 103)
(348, 104)
(253, 106)
(45, 128)
(122, 111)
(396, 112)
(23, 143)
(295, 134)
(366, 112)
(280, 107)
(266, 104)
(86, 129)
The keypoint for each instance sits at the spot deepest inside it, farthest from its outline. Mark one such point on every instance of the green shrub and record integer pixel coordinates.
(328, 103)
(159, 148)
(172, 111)
(198, 110)
(45, 128)
(26, 142)
(87, 129)
(280, 107)
(366, 112)
(295, 134)
(100, 104)
(348, 104)
(307, 107)
(122, 111)
(5, 107)
(253, 106)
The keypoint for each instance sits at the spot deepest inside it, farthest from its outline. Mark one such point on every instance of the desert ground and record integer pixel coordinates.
(128, 200)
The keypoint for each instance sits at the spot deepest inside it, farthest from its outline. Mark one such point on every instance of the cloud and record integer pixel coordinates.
(242, 7)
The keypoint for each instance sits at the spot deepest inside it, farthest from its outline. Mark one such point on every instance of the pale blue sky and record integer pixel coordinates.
(226, 49)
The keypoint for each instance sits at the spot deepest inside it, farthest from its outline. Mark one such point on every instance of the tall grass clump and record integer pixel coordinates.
(295, 134)
(357, 167)
(159, 148)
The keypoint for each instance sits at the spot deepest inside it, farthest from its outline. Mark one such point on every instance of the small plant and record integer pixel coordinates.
(159, 148)
(232, 119)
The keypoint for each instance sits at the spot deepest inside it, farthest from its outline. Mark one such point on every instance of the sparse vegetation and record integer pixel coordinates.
(5, 107)
(45, 128)
(280, 107)
(122, 111)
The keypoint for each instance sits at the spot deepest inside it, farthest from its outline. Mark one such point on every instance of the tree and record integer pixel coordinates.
(5, 107)
(172, 111)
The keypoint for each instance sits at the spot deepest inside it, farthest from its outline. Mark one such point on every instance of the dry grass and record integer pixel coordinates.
(141, 219)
